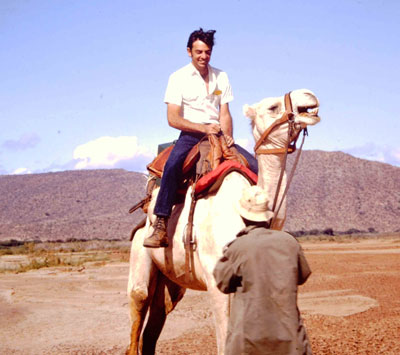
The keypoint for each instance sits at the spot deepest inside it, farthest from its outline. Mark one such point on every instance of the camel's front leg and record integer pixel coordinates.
(166, 296)
(220, 307)
(141, 286)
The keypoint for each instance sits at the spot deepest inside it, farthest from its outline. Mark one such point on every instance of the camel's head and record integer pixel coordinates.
(263, 114)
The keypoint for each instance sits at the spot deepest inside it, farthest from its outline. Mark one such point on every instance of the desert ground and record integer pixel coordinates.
(350, 305)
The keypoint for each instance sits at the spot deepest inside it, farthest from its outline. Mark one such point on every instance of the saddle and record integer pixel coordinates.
(206, 155)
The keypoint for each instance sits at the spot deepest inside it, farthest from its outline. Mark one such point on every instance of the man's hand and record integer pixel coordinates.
(229, 140)
(212, 128)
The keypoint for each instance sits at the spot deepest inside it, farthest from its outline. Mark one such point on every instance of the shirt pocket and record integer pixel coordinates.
(214, 100)
(190, 98)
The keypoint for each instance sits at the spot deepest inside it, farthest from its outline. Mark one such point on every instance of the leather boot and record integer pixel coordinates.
(159, 238)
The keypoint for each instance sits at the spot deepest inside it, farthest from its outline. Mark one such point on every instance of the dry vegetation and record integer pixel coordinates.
(27, 256)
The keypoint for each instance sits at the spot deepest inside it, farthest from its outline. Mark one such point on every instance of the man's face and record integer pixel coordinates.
(200, 54)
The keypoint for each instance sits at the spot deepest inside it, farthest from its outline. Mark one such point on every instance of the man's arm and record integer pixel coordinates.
(225, 120)
(175, 120)
(304, 268)
(226, 279)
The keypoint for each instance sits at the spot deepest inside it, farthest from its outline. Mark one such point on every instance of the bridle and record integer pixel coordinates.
(287, 116)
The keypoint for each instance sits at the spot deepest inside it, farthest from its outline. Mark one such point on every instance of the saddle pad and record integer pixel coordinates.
(205, 184)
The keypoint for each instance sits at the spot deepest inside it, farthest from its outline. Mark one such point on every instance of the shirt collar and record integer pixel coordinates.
(246, 230)
(194, 71)
(212, 81)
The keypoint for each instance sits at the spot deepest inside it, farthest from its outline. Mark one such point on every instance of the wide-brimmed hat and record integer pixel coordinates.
(253, 205)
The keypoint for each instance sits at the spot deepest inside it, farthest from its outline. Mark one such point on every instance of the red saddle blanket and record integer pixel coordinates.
(210, 182)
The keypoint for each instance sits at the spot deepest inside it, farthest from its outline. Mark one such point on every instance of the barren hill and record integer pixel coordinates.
(329, 190)
(336, 190)
(83, 204)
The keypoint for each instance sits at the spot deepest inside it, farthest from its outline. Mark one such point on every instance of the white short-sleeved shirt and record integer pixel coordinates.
(186, 88)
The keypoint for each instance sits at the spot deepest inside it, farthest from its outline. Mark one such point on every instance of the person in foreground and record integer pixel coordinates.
(263, 269)
(197, 99)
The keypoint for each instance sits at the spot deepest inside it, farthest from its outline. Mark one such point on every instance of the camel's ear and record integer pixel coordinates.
(249, 112)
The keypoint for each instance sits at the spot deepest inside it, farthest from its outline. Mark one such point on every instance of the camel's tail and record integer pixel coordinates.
(141, 224)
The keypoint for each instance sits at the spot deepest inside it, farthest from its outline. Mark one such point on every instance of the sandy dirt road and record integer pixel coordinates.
(351, 305)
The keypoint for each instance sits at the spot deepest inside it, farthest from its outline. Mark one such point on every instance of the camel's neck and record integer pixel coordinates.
(269, 170)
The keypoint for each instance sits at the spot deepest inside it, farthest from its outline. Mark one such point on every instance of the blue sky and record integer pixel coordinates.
(82, 81)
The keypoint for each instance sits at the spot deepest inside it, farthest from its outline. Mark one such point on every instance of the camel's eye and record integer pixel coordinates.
(274, 108)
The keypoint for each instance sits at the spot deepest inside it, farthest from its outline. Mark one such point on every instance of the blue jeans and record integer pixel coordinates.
(172, 174)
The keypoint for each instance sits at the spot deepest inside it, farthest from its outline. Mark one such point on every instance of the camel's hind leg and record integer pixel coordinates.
(148, 287)
(141, 287)
(166, 296)
(139, 304)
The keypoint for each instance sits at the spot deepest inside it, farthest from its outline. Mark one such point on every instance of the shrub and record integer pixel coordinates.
(297, 234)
(328, 231)
(353, 231)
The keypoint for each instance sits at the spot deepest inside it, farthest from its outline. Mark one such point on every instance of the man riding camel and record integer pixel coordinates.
(197, 99)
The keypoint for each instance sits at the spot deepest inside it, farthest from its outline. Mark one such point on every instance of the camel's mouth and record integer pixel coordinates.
(308, 111)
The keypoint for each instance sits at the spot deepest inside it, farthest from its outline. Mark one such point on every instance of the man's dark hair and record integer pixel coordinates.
(247, 222)
(206, 37)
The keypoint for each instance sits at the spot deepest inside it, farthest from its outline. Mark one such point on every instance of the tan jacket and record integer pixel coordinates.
(263, 268)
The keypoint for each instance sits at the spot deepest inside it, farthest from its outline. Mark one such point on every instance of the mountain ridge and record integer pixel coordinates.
(330, 190)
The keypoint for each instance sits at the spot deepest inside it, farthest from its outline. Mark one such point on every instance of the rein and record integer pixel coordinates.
(288, 116)
(305, 133)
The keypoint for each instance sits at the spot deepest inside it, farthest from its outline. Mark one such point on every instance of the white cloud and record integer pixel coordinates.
(112, 152)
(21, 171)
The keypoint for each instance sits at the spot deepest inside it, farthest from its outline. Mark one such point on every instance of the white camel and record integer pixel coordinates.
(157, 279)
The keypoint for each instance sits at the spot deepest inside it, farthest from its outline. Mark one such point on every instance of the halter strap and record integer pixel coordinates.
(286, 117)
